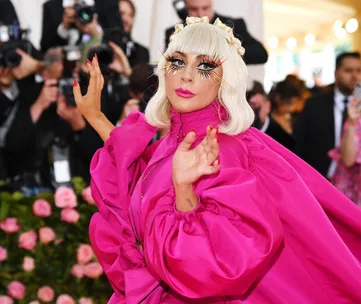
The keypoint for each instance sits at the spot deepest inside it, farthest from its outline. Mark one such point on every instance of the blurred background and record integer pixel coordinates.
(304, 63)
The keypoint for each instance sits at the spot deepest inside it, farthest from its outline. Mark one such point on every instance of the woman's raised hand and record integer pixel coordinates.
(89, 104)
(191, 164)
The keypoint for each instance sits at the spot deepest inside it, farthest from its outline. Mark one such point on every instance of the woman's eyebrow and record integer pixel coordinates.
(180, 53)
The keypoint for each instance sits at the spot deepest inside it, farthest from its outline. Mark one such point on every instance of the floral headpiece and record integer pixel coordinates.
(233, 41)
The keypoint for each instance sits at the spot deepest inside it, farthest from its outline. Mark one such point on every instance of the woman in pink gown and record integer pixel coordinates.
(215, 212)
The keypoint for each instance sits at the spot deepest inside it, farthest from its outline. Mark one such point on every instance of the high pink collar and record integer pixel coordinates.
(182, 123)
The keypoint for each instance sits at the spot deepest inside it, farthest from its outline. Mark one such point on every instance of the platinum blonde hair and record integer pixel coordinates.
(217, 39)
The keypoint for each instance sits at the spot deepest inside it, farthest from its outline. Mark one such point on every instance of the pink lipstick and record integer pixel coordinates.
(184, 93)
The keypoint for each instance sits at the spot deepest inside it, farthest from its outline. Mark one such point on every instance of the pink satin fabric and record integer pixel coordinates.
(267, 229)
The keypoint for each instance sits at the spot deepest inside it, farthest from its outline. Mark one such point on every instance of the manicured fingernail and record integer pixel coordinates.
(217, 131)
(75, 83)
(210, 126)
(192, 131)
(96, 57)
(88, 62)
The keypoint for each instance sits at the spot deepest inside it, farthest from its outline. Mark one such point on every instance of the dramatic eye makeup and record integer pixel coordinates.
(205, 67)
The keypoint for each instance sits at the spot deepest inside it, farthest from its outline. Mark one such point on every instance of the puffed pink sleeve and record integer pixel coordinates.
(114, 171)
(223, 246)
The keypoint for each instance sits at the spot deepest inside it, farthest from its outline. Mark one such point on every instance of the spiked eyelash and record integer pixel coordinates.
(204, 74)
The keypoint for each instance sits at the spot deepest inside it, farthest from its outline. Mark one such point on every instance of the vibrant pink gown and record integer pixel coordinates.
(268, 228)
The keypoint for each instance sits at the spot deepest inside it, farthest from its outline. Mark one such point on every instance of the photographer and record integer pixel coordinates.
(62, 26)
(16, 83)
(261, 105)
(42, 143)
(7, 12)
(135, 52)
(255, 51)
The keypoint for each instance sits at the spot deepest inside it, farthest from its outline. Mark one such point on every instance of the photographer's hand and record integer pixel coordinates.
(70, 114)
(28, 65)
(89, 104)
(48, 95)
(91, 29)
(6, 77)
(130, 106)
(120, 64)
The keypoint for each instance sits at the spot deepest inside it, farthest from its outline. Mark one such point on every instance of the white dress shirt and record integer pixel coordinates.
(338, 108)
(265, 125)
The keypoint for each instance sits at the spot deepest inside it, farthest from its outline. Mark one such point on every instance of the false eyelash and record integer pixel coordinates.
(205, 74)
(172, 68)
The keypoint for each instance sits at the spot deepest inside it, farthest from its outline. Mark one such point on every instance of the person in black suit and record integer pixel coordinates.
(137, 54)
(48, 141)
(255, 51)
(7, 12)
(318, 129)
(263, 120)
(57, 21)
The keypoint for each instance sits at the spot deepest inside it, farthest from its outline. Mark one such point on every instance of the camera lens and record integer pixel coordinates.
(12, 59)
(84, 13)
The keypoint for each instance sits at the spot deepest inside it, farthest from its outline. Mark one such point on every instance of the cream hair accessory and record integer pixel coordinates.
(230, 37)
(178, 27)
(223, 26)
(194, 20)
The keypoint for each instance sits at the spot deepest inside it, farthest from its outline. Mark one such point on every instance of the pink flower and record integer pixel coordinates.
(6, 300)
(28, 264)
(3, 254)
(69, 215)
(84, 254)
(46, 294)
(78, 271)
(10, 225)
(41, 208)
(85, 301)
(27, 240)
(65, 299)
(46, 235)
(87, 196)
(16, 290)
(65, 197)
(93, 270)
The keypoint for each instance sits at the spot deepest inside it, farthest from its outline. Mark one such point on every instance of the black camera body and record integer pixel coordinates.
(105, 52)
(84, 13)
(181, 9)
(12, 37)
(65, 86)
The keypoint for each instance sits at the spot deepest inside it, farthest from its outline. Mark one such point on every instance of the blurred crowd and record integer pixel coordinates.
(45, 141)
(322, 125)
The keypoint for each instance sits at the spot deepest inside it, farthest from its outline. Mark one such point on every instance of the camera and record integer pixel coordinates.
(181, 9)
(65, 86)
(105, 52)
(105, 57)
(84, 13)
(12, 37)
(71, 55)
